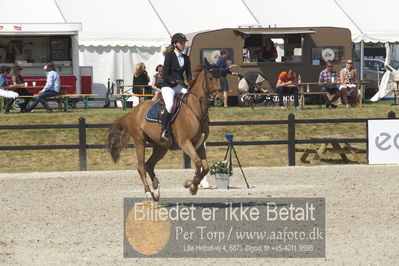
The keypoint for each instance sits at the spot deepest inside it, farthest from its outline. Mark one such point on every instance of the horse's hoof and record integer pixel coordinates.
(187, 183)
(193, 189)
(148, 194)
(156, 194)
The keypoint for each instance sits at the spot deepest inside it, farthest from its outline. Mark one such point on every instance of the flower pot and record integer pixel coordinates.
(222, 180)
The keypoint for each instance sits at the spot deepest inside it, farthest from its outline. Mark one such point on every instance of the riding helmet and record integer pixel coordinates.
(178, 37)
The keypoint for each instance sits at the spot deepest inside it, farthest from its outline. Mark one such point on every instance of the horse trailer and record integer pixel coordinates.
(304, 50)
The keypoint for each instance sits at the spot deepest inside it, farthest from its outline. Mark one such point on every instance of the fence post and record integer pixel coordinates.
(186, 161)
(391, 115)
(82, 145)
(291, 139)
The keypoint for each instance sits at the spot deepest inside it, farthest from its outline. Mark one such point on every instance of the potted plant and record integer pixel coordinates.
(221, 172)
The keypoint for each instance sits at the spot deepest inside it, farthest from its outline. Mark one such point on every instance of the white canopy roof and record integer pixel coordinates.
(377, 20)
(27, 11)
(34, 17)
(150, 22)
(193, 16)
(368, 20)
(116, 22)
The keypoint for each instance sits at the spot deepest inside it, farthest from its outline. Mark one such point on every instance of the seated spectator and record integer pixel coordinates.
(18, 82)
(347, 77)
(156, 82)
(329, 75)
(140, 77)
(286, 84)
(268, 52)
(52, 88)
(5, 89)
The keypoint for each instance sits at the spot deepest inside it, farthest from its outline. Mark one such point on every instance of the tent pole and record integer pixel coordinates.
(361, 60)
(75, 62)
(362, 69)
(159, 17)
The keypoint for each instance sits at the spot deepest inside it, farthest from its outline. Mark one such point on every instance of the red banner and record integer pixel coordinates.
(65, 80)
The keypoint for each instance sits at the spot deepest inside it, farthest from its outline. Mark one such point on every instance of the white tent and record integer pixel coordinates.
(368, 20)
(118, 34)
(39, 18)
(43, 11)
(115, 36)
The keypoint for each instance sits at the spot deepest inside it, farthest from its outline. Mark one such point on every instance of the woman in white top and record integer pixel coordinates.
(347, 77)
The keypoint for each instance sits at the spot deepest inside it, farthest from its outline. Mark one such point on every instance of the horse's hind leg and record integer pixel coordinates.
(158, 152)
(140, 151)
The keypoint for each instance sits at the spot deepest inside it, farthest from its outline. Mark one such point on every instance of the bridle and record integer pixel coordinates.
(204, 112)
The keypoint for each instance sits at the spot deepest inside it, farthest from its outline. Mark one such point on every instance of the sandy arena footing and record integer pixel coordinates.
(77, 217)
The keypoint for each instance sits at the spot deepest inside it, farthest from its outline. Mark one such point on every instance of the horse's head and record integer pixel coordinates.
(212, 76)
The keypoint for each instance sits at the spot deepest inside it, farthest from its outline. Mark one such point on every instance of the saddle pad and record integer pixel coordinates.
(153, 113)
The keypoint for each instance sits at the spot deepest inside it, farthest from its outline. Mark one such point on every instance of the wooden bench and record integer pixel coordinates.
(61, 99)
(344, 150)
(84, 97)
(396, 94)
(124, 97)
(336, 148)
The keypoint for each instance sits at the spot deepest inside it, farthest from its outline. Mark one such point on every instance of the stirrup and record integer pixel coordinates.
(165, 135)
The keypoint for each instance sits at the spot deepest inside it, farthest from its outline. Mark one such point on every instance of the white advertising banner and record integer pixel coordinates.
(383, 141)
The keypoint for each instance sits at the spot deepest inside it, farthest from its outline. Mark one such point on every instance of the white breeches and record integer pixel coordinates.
(8, 94)
(169, 93)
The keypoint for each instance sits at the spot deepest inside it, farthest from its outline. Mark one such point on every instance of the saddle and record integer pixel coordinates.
(153, 113)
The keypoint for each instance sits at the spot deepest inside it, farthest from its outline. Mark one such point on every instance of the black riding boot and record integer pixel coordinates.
(165, 124)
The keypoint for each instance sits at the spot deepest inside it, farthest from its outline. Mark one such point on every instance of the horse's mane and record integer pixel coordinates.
(197, 70)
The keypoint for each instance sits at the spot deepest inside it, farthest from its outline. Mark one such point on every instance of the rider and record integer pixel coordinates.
(176, 64)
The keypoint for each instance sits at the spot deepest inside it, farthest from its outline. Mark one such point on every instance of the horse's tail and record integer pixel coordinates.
(117, 137)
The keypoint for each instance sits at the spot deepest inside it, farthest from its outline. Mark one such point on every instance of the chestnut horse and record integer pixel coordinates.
(190, 130)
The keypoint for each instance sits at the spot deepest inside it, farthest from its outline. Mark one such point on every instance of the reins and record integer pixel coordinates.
(204, 87)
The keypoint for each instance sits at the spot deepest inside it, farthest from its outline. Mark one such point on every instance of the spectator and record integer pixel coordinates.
(156, 82)
(224, 70)
(5, 89)
(347, 77)
(268, 52)
(18, 82)
(2, 54)
(140, 77)
(329, 75)
(52, 88)
(12, 52)
(286, 84)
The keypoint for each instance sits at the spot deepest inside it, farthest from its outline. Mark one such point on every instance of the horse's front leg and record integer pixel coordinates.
(189, 149)
(202, 154)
